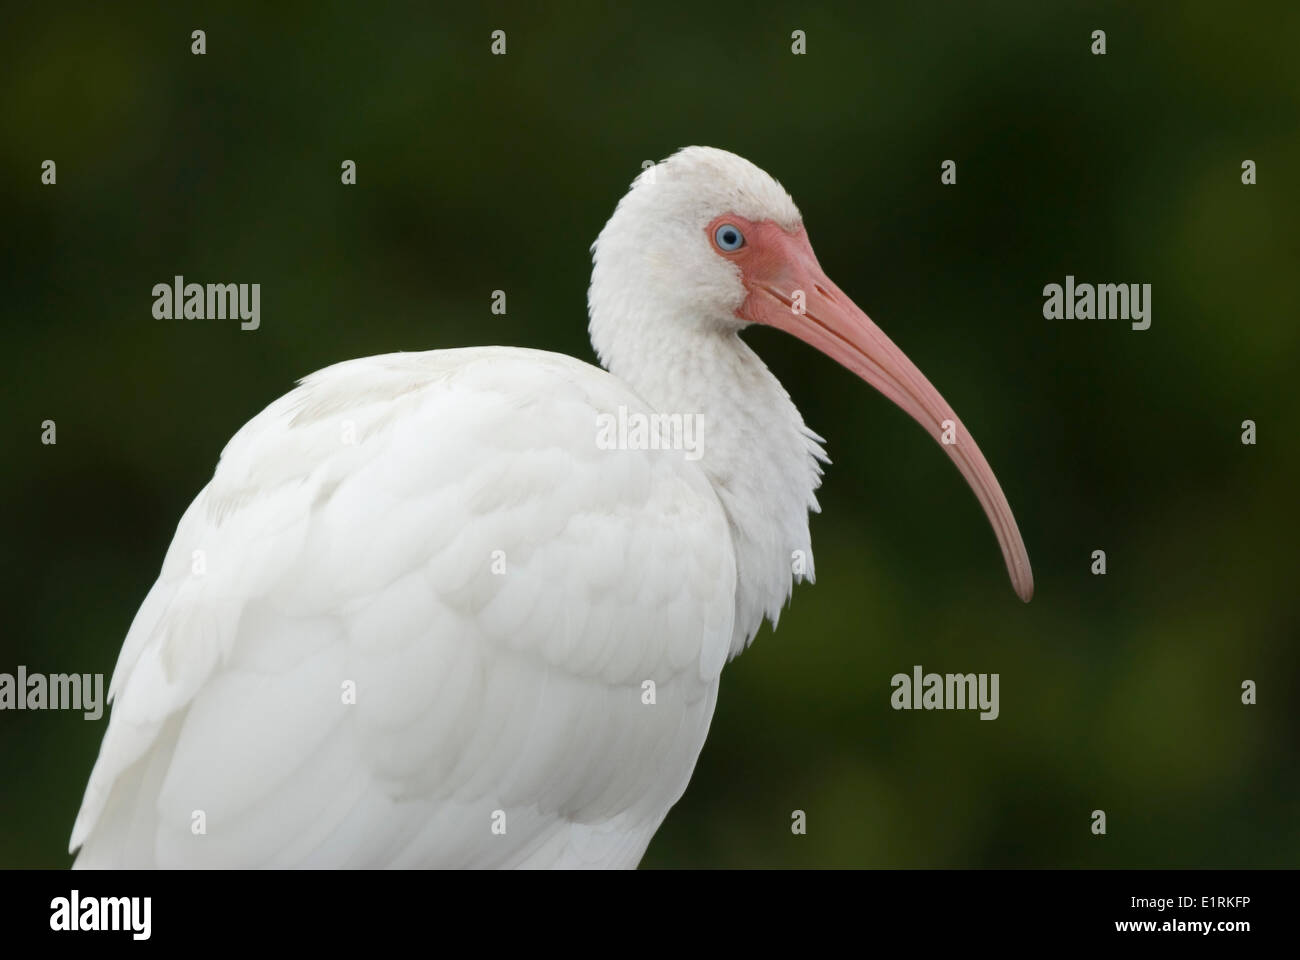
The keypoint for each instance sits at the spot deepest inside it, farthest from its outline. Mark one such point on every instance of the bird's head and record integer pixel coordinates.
(708, 243)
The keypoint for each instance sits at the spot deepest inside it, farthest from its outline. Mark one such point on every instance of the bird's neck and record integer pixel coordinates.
(761, 459)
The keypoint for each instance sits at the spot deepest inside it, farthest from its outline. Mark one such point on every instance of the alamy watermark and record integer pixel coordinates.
(75, 913)
(632, 430)
(179, 300)
(1105, 301)
(946, 691)
(56, 691)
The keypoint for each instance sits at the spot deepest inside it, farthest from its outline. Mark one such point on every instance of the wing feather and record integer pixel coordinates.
(441, 534)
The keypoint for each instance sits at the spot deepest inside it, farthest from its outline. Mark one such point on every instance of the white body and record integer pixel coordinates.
(484, 700)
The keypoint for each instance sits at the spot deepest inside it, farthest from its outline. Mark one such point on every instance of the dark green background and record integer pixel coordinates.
(477, 172)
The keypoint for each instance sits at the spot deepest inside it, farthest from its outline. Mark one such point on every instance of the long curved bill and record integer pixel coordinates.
(826, 319)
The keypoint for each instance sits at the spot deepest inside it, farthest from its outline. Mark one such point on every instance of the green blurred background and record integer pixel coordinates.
(478, 173)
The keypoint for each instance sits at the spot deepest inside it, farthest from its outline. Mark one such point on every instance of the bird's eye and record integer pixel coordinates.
(729, 238)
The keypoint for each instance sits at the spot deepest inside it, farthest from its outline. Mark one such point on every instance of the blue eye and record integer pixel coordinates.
(729, 238)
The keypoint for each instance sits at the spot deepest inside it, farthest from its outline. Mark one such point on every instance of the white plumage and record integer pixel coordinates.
(440, 533)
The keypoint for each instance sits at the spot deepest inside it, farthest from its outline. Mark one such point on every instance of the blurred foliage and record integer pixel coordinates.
(478, 173)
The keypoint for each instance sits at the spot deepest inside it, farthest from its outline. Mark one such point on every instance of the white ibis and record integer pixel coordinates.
(424, 614)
